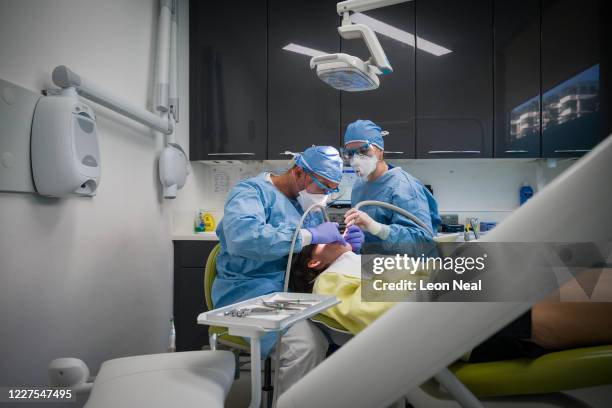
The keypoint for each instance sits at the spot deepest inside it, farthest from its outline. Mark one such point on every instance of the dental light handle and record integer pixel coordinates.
(397, 209)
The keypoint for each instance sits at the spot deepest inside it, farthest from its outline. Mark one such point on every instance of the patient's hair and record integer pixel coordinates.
(302, 277)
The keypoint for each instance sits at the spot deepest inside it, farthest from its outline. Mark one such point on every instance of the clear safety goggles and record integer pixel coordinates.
(326, 190)
(362, 150)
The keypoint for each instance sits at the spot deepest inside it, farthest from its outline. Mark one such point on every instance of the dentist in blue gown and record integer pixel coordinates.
(364, 148)
(260, 217)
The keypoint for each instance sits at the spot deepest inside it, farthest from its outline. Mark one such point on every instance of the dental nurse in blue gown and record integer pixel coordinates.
(364, 149)
(260, 217)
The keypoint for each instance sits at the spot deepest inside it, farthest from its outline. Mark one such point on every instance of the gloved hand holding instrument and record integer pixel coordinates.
(355, 237)
(326, 233)
(355, 217)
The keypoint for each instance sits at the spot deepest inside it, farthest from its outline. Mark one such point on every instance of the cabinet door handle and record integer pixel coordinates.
(516, 151)
(288, 153)
(572, 150)
(453, 151)
(232, 154)
(387, 152)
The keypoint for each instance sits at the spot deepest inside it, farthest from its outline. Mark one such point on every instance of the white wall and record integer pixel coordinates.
(85, 277)
(485, 188)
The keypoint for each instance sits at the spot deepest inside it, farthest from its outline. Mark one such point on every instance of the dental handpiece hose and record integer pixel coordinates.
(294, 239)
(397, 209)
(286, 288)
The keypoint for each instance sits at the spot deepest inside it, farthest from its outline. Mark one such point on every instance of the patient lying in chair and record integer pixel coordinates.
(333, 269)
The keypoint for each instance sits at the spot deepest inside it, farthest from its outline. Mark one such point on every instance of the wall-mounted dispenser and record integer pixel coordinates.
(173, 169)
(64, 148)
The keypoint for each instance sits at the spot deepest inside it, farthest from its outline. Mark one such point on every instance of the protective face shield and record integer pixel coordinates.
(364, 165)
(348, 153)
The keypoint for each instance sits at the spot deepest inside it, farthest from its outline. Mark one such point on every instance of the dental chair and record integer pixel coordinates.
(185, 379)
(220, 334)
(544, 376)
(551, 373)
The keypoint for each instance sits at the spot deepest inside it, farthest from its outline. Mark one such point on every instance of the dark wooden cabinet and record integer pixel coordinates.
(517, 78)
(228, 80)
(575, 37)
(392, 105)
(454, 90)
(189, 300)
(488, 78)
(302, 110)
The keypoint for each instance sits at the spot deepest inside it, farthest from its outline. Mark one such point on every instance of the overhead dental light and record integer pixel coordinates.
(349, 73)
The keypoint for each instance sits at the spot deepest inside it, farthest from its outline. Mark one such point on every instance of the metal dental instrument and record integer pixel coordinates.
(285, 305)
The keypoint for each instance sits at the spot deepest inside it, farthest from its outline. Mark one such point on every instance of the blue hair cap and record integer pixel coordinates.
(364, 131)
(324, 161)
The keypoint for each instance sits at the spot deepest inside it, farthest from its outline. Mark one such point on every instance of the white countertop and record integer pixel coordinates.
(201, 236)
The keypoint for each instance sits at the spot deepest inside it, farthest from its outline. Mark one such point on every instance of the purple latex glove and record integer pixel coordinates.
(326, 233)
(354, 236)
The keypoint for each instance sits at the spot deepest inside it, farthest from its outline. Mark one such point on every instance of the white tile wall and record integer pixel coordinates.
(485, 188)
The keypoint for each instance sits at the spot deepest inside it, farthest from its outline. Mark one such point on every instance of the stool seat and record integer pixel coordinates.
(186, 379)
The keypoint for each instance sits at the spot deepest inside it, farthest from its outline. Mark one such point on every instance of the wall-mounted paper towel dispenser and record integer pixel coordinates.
(65, 151)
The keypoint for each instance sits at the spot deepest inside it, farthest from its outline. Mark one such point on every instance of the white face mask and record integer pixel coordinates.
(307, 199)
(364, 165)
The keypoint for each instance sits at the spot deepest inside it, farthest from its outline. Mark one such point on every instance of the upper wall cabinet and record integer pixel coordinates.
(392, 105)
(227, 86)
(454, 78)
(573, 40)
(517, 78)
(302, 110)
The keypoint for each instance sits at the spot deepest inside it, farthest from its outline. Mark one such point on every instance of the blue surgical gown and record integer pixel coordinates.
(255, 236)
(399, 188)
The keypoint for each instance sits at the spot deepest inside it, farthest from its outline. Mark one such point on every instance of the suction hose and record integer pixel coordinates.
(397, 209)
(286, 287)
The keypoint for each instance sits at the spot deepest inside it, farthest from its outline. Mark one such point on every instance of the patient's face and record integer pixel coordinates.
(324, 254)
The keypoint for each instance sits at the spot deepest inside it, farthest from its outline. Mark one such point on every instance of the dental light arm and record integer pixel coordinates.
(357, 6)
(349, 73)
(378, 58)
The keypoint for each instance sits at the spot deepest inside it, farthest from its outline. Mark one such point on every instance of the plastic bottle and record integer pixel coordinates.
(172, 345)
(525, 193)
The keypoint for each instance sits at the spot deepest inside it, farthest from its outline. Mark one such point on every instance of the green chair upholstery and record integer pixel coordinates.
(329, 322)
(234, 342)
(210, 273)
(553, 372)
